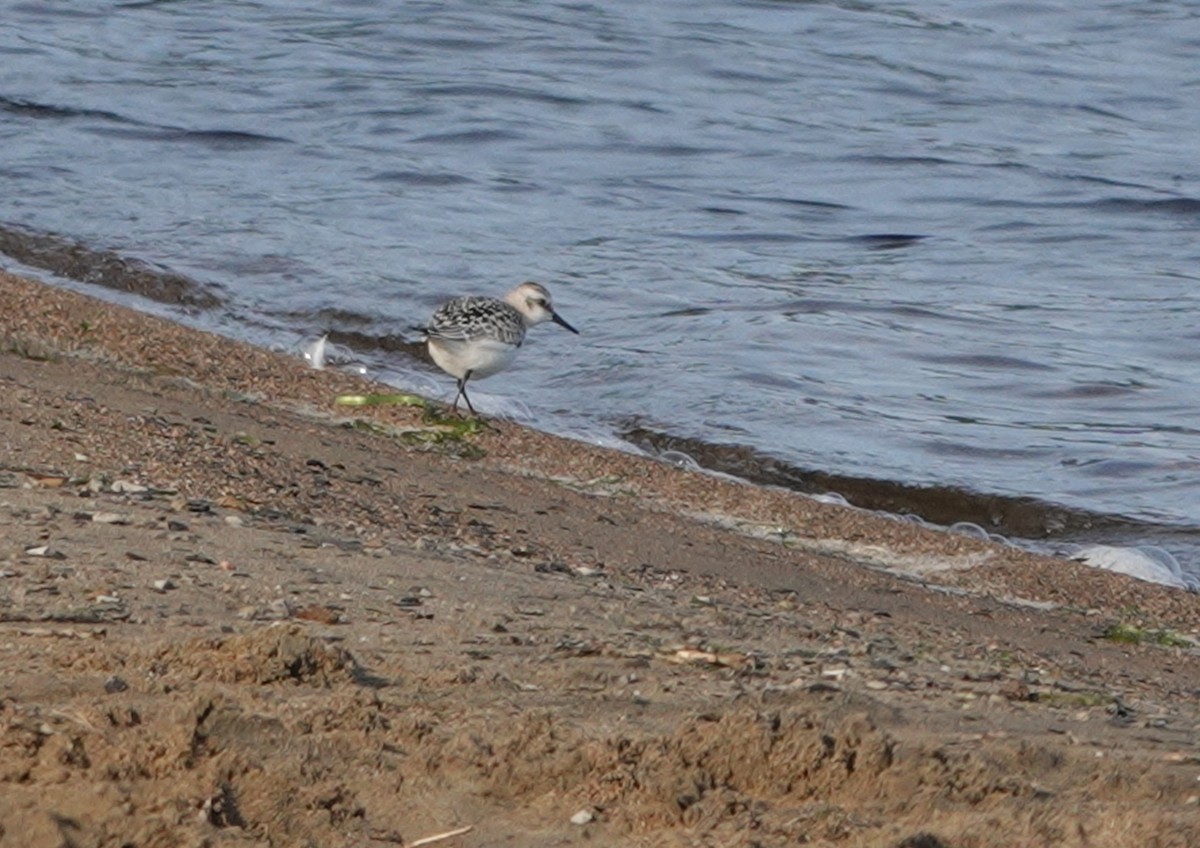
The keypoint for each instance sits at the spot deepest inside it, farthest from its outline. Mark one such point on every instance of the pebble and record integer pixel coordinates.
(128, 487)
(234, 520)
(110, 518)
(583, 817)
(115, 684)
(164, 585)
(45, 551)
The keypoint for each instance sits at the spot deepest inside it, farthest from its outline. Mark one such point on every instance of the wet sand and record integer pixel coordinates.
(234, 613)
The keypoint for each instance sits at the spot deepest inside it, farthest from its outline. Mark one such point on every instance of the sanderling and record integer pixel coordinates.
(479, 336)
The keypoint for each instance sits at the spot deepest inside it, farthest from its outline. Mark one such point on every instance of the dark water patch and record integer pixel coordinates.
(1187, 206)
(329, 317)
(456, 44)
(216, 139)
(61, 10)
(1118, 469)
(226, 137)
(76, 261)
(884, 159)
(1024, 517)
(643, 106)
(467, 137)
(721, 210)
(501, 92)
(741, 75)
(1104, 181)
(688, 312)
(372, 343)
(1089, 391)
(994, 362)
(977, 451)
(147, 4)
(800, 202)
(420, 178)
(887, 241)
(1103, 113)
(743, 238)
(670, 151)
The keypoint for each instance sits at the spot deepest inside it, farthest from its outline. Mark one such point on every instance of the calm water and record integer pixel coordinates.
(945, 244)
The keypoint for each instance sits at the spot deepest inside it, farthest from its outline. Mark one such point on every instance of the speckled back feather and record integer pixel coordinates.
(467, 318)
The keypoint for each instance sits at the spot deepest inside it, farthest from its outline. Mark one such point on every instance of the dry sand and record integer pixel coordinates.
(231, 616)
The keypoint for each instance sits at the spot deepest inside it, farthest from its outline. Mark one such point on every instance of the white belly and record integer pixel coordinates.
(482, 357)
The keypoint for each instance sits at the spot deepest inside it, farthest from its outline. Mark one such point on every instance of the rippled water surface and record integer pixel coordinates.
(949, 244)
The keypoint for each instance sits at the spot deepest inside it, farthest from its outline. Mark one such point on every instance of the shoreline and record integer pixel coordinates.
(610, 595)
(39, 317)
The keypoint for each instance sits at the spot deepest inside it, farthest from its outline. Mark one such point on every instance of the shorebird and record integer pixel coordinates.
(479, 336)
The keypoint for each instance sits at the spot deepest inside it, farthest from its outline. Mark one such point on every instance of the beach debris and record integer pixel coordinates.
(44, 551)
(382, 399)
(1132, 634)
(688, 656)
(438, 837)
(64, 632)
(314, 353)
(47, 481)
(320, 613)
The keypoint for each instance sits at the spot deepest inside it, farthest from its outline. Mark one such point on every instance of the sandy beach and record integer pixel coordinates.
(233, 612)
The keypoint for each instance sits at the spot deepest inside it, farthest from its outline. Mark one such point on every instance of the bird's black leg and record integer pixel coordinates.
(462, 393)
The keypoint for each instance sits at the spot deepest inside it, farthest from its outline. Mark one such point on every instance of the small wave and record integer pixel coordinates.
(33, 109)
(1111, 542)
(133, 128)
(76, 261)
(1149, 563)
(1009, 516)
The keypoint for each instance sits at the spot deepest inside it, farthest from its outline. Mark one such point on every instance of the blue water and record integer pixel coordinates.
(946, 243)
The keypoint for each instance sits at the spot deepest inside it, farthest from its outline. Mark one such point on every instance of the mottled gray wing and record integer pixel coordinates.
(467, 318)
